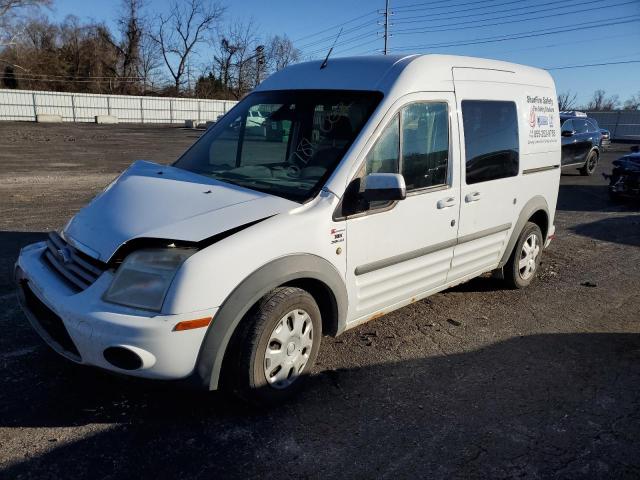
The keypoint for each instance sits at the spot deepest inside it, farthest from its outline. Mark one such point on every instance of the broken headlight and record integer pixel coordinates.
(143, 279)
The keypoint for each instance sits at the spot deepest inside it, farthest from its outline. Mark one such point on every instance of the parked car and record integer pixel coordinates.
(581, 142)
(254, 119)
(624, 181)
(226, 268)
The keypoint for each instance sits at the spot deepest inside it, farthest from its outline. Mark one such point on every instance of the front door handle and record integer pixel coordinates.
(472, 197)
(446, 202)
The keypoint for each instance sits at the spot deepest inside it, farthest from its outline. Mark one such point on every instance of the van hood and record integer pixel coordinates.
(162, 202)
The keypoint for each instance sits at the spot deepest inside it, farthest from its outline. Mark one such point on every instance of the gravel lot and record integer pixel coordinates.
(475, 382)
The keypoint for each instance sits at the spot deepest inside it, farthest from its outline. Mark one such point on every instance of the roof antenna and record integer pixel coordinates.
(326, 60)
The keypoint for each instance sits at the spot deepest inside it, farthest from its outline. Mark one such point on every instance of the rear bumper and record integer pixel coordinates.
(80, 326)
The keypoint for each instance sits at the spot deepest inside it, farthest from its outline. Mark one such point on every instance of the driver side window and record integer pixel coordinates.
(385, 154)
(416, 144)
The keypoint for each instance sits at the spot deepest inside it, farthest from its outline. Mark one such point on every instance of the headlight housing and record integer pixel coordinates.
(144, 277)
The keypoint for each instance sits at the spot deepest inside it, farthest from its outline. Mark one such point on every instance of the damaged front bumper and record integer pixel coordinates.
(85, 329)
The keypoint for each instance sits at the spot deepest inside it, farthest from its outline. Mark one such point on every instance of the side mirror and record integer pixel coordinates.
(567, 133)
(384, 187)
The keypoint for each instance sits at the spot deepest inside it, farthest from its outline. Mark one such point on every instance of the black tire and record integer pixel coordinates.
(590, 164)
(245, 372)
(513, 275)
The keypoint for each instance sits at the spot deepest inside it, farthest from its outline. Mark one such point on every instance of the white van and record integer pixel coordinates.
(375, 182)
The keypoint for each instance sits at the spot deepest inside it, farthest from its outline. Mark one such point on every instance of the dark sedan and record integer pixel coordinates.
(581, 143)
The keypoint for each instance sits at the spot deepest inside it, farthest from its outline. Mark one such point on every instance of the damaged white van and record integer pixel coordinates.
(371, 183)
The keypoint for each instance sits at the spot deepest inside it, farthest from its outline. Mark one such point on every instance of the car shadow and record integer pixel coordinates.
(534, 406)
(10, 245)
(620, 229)
(584, 198)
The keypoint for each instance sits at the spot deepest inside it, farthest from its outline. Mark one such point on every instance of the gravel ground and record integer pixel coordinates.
(474, 382)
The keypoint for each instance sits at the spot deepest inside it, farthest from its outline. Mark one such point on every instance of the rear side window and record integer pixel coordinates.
(491, 139)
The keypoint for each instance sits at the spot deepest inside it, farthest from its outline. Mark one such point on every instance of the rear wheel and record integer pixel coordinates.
(276, 347)
(590, 165)
(524, 262)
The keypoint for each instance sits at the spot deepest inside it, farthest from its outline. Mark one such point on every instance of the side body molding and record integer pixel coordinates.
(532, 206)
(280, 271)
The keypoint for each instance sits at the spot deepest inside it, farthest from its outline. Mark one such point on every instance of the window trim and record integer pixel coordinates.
(380, 128)
(439, 186)
(463, 159)
(398, 112)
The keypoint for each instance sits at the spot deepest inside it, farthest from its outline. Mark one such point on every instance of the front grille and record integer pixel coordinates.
(49, 321)
(75, 267)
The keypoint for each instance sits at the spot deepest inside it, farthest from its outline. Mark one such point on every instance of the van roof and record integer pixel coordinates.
(405, 73)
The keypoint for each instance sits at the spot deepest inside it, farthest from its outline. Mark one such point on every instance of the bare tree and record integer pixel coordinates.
(11, 11)
(281, 53)
(10, 8)
(633, 103)
(72, 56)
(237, 55)
(223, 61)
(150, 62)
(130, 24)
(567, 101)
(188, 23)
(600, 101)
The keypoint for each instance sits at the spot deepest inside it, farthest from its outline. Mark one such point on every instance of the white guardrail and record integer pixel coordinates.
(85, 107)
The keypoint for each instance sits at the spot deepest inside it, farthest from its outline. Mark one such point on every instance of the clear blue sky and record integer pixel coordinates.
(591, 31)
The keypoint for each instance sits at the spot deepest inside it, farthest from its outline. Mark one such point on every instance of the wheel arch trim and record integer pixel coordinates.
(278, 272)
(535, 204)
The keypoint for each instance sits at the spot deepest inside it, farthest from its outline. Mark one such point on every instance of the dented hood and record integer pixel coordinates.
(154, 201)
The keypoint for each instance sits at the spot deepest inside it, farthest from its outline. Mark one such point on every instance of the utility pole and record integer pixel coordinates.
(386, 14)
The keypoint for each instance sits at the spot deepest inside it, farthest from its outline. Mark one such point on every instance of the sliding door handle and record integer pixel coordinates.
(446, 202)
(472, 197)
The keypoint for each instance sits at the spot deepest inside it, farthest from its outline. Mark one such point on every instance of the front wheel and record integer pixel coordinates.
(524, 262)
(276, 347)
(590, 165)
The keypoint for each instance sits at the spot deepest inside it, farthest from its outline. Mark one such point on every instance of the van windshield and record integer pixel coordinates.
(285, 143)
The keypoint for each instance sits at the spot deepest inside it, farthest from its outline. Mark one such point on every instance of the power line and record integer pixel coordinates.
(417, 18)
(592, 65)
(386, 35)
(570, 42)
(369, 42)
(342, 42)
(436, 28)
(336, 26)
(333, 36)
(430, 5)
(529, 34)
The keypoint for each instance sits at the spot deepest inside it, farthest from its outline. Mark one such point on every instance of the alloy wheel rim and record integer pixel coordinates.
(592, 163)
(528, 257)
(288, 349)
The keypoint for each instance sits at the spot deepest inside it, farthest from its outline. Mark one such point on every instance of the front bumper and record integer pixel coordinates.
(80, 326)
